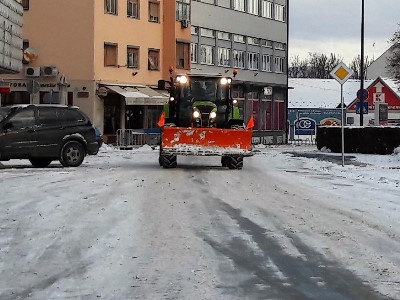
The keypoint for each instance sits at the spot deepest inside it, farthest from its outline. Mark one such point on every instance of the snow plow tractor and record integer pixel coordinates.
(201, 118)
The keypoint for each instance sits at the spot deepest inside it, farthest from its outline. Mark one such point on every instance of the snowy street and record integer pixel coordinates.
(292, 224)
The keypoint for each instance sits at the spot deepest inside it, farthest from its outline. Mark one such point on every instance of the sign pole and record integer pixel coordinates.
(362, 64)
(341, 73)
(342, 104)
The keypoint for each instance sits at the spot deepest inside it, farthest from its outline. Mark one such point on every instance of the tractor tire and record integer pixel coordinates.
(168, 161)
(235, 162)
(225, 161)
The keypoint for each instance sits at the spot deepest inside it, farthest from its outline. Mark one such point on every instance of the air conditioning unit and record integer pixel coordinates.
(185, 23)
(32, 71)
(49, 71)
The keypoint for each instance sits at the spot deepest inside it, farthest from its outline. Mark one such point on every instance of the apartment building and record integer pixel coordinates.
(252, 37)
(11, 22)
(105, 56)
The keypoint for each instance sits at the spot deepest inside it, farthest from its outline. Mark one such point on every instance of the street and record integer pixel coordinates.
(121, 227)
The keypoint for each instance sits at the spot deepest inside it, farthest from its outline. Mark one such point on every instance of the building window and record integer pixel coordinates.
(132, 53)
(238, 38)
(182, 55)
(252, 7)
(224, 36)
(183, 10)
(133, 9)
(154, 59)
(266, 9)
(279, 64)
(195, 30)
(279, 46)
(253, 41)
(252, 61)
(280, 13)
(238, 59)
(206, 54)
(25, 4)
(239, 5)
(266, 63)
(154, 11)
(193, 53)
(207, 32)
(110, 7)
(266, 43)
(224, 57)
(110, 54)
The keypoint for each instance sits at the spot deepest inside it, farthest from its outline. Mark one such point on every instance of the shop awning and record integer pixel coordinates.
(139, 95)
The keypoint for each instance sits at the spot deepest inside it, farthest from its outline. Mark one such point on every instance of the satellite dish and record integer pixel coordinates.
(30, 54)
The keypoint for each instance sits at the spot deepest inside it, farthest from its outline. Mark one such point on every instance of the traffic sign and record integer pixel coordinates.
(362, 94)
(341, 73)
(365, 106)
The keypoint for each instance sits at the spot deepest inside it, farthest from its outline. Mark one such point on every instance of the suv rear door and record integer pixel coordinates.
(49, 130)
(54, 124)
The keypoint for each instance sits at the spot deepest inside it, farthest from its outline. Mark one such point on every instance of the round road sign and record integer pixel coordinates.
(362, 94)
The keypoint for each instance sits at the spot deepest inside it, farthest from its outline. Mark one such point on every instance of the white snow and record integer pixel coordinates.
(121, 227)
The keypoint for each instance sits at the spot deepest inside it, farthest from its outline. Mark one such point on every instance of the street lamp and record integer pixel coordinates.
(362, 65)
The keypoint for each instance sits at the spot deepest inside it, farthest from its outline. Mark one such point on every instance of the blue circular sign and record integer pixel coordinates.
(362, 94)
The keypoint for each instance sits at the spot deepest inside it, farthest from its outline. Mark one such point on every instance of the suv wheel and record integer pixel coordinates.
(72, 154)
(40, 162)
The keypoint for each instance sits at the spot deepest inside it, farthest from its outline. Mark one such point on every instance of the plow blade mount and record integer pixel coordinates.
(206, 141)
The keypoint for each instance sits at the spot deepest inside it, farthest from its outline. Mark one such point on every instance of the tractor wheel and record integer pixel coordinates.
(168, 161)
(225, 161)
(235, 162)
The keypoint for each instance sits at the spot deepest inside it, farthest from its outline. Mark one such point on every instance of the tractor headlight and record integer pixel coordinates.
(196, 113)
(182, 79)
(213, 114)
(224, 81)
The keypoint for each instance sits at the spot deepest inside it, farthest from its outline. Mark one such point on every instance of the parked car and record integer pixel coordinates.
(43, 133)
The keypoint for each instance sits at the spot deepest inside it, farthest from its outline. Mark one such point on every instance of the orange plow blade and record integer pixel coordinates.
(206, 141)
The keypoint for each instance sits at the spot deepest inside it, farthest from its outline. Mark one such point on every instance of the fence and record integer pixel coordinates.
(130, 138)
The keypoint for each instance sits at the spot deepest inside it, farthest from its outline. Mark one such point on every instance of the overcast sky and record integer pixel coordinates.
(334, 26)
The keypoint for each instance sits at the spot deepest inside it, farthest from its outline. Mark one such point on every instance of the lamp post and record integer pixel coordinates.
(362, 64)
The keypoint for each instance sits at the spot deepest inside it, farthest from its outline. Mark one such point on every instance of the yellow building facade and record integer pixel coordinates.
(105, 56)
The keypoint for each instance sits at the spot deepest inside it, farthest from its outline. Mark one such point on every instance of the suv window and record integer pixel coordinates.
(23, 119)
(70, 116)
(47, 116)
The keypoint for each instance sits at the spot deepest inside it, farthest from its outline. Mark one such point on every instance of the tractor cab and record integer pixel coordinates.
(202, 101)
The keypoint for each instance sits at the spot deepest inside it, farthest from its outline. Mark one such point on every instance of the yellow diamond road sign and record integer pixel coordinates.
(341, 73)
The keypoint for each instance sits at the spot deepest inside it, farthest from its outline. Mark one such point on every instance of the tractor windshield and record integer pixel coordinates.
(203, 89)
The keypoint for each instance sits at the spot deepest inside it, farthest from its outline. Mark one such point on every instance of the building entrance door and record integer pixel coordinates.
(134, 117)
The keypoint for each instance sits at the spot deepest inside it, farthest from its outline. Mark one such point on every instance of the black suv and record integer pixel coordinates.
(43, 133)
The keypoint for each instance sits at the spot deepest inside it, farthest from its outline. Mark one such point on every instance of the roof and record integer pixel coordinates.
(325, 93)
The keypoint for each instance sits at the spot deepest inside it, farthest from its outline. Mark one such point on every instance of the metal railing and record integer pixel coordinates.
(130, 138)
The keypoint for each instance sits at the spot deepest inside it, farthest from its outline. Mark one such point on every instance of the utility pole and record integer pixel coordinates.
(362, 64)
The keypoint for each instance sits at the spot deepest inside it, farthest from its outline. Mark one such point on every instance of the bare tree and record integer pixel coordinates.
(316, 66)
(298, 67)
(394, 58)
(355, 65)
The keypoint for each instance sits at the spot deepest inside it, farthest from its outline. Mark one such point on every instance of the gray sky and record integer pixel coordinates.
(334, 26)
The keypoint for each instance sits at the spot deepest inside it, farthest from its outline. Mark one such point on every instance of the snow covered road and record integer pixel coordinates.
(121, 227)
